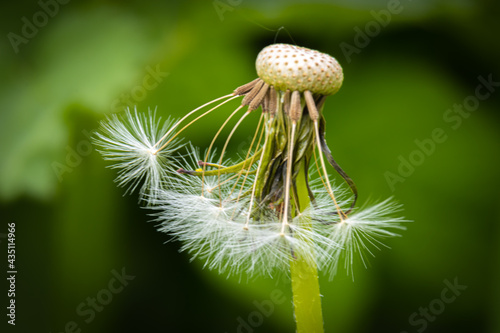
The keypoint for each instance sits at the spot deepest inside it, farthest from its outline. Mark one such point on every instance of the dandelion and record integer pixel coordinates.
(262, 213)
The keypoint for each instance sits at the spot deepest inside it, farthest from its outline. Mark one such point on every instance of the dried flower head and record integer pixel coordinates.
(260, 212)
(298, 68)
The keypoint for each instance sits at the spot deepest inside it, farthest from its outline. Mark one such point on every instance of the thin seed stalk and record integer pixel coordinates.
(304, 276)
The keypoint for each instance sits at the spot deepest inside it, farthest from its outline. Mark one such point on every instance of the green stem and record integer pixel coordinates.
(305, 284)
(223, 170)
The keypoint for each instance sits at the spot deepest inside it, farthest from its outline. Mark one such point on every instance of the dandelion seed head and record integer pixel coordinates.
(131, 142)
(361, 232)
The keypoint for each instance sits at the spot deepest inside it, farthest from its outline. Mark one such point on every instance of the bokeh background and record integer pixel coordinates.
(403, 72)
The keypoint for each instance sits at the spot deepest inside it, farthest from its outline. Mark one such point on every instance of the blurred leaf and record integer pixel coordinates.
(86, 57)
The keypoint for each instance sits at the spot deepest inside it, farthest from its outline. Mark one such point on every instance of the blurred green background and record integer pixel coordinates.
(405, 65)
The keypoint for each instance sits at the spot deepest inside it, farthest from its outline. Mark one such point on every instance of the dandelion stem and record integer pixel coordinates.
(254, 186)
(192, 121)
(289, 166)
(342, 215)
(304, 276)
(213, 142)
(190, 113)
(295, 115)
(242, 167)
(227, 142)
(314, 114)
(252, 158)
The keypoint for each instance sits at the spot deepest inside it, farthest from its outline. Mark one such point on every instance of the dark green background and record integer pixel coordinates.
(74, 230)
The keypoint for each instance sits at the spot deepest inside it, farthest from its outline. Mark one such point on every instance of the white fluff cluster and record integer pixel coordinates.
(357, 235)
(213, 227)
(131, 142)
